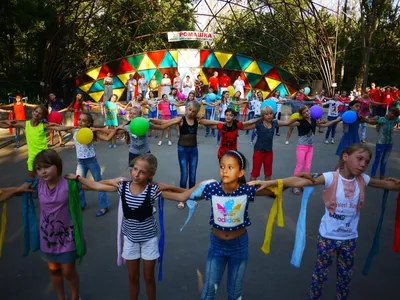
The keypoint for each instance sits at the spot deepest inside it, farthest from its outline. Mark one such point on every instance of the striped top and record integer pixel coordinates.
(135, 230)
(385, 130)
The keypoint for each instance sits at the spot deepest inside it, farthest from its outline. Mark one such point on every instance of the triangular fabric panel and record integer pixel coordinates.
(253, 79)
(124, 77)
(244, 61)
(86, 87)
(291, 89)
(169, 71)
(174, 54)
(168, 61)
(96, 87)
(117, 83)
(272, 83)
(262, 85)
(274, 74)
(158, 75)
(135, 60)
(103, 72)
(118, 92)
(286, 76)
(125, 67)
(96, 96)
(156, 56)
(203, 56)
(94, 73)
(188, 58)
(203, 77)
(223, 58)
(264, 67)
(233, 64)
(113, 66)
(211, 62)
(253, 68)
(265, 94)
(246, 82)
(82, 79)
(146, 64)
(282, 89)
(148, 74)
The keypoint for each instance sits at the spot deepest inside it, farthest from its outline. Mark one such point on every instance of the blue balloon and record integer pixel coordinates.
(271, 103)
(218, 97)
(349, 117)
(212, 96)
(307, 91)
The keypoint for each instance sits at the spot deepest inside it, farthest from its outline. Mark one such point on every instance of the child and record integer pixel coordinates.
(152, 110)
(223, 105)
(263, 154)
(112, 106)
(333, 114)
(229, 201)
(305, 145)
(276, 96)
(165, 116)
(210, 104)
(252, 102)
(35, 131)
(385, 142)
(19, 115)
(295, 105)
(350, 131)
(235, 104)
(343, 196)
(257, 114)
(77, 106)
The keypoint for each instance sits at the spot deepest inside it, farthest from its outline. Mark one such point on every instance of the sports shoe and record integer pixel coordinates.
(363, 141)
(213, 135)
(332, 141)
(326, 142)
(287, 143)
(115, 146)
(16, 146)
(169, 143)
(110, 146)
(159, 143)
(251, 143)
(206, 135)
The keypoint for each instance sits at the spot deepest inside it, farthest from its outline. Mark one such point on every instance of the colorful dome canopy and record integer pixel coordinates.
(256, 74)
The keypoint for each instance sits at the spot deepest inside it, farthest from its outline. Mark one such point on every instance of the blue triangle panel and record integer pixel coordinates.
(264, 67)
(96, 87)
(117, 83)
(282, 89)
(147, 73)
(244, 61)
(211, 62)
(168, 61)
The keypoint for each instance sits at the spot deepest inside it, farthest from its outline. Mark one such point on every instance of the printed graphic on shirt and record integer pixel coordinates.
(55, 232)
(229, 211)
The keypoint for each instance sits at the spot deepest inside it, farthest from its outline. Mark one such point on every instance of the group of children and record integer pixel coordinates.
(229, 198)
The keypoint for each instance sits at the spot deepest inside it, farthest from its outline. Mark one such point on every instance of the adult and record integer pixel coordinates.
(153, 86)
(187, 86)
(214, 82)
(209, 101)
(295, 105)
(53, 105)
(165, 85)
(143, 85)
(387, 100)
(108, 89)
(364, 112)
(178, 82)
(224, 82)
(198, 86)
(239, 85)
(130, 84)
(77, 107)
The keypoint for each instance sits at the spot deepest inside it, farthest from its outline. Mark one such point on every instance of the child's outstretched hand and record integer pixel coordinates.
(395, 180)
(25, 187)
(262, 185)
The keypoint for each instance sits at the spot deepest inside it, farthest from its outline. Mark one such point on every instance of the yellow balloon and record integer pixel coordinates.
(296, 116)
(231, 90)
(84, 136)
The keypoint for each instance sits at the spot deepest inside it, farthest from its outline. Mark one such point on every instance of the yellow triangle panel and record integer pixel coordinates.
(203, 77)
(253, 68)
(272, 83)
(118, 92)
(124, 77)
(174, 54)
(265, 94)
(96, 95)
(223, 58)
(86, 87)
(94, 73)
(146, 64)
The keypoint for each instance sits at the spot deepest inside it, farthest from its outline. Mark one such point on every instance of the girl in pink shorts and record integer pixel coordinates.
(165, 115)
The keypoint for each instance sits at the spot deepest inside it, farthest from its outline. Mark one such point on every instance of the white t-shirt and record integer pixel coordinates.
(343, 224)
(222, 108)
(257, 107)
(333, 108)
(239, 87)
(278, 105)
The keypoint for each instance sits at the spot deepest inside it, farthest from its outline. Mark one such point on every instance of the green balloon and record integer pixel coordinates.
(139, 126)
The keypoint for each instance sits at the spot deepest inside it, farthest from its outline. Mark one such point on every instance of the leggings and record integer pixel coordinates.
(278, 117)
(382, 150)
(331, 128)
(326, 250)
(304, 155)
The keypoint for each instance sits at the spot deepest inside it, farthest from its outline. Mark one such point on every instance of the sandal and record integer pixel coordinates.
(102, 212)
(181, 205)
(62, 145)
(296, 191)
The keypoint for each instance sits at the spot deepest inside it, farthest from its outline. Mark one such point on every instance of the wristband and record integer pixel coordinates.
(77, 177)
(316, 175)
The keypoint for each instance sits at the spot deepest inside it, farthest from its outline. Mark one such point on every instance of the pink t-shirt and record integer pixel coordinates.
(364, 107)
(56, 227)
(165, 108)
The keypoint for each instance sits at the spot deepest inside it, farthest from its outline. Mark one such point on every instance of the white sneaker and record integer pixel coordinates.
(115, 146)
(159, 143)
(169, 143)
(326, 142)
(110, 146)
(287, 143)
(332, 141)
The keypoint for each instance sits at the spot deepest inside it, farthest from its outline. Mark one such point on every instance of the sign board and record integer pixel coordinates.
(176, 36)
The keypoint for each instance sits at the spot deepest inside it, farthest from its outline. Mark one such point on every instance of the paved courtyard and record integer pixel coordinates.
(267, 277)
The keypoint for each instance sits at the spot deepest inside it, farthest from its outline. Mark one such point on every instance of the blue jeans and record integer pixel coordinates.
(129, 96)
(91, 164)
(219, 132)
(208, 117)
(250, 116)
(144, 93)
(188, 158)
(254, 133)
(331, 128)
(17, 136)
(382, 150)
(364, 130)
(235, 253)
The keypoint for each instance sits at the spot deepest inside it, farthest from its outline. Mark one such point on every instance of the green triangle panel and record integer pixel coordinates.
(147, 73)
(253, 78)
(264, 67)
(244, 61)
(158, 75)
(96, 87)
(168, 61)
(135, 60)
(211, 62)
(286, 76)
(117, 83)
(282, 89)
(233, 64)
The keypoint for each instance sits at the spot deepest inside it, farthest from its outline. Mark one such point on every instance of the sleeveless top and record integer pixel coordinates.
(188, 134)
(83, 151)
(19, 111)
(36, 138)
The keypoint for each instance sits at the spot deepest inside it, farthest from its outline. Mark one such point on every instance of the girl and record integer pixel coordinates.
(187, 85)
(252, 101)
(263, 154)
(229, 201)
(276, 96)
(295, 104)
(344, 195)
(350, 131)
(138, 102)
(165, 85)
(198, 86)
(108, 87)
(152, 110)
(223, 105)
(35, 132)
(333, 114)
(77, 106)
(239, 85)
(112, 107)
(236, 102)
(257, 114)
(19, 115)
(165, 116)
(173, 101)
(153, 86)
(305, 145)
(385, 142)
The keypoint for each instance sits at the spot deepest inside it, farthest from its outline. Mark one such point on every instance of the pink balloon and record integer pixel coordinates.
(55, 117)
(181, 96)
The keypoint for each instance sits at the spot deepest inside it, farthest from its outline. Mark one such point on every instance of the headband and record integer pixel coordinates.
(240, 157)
